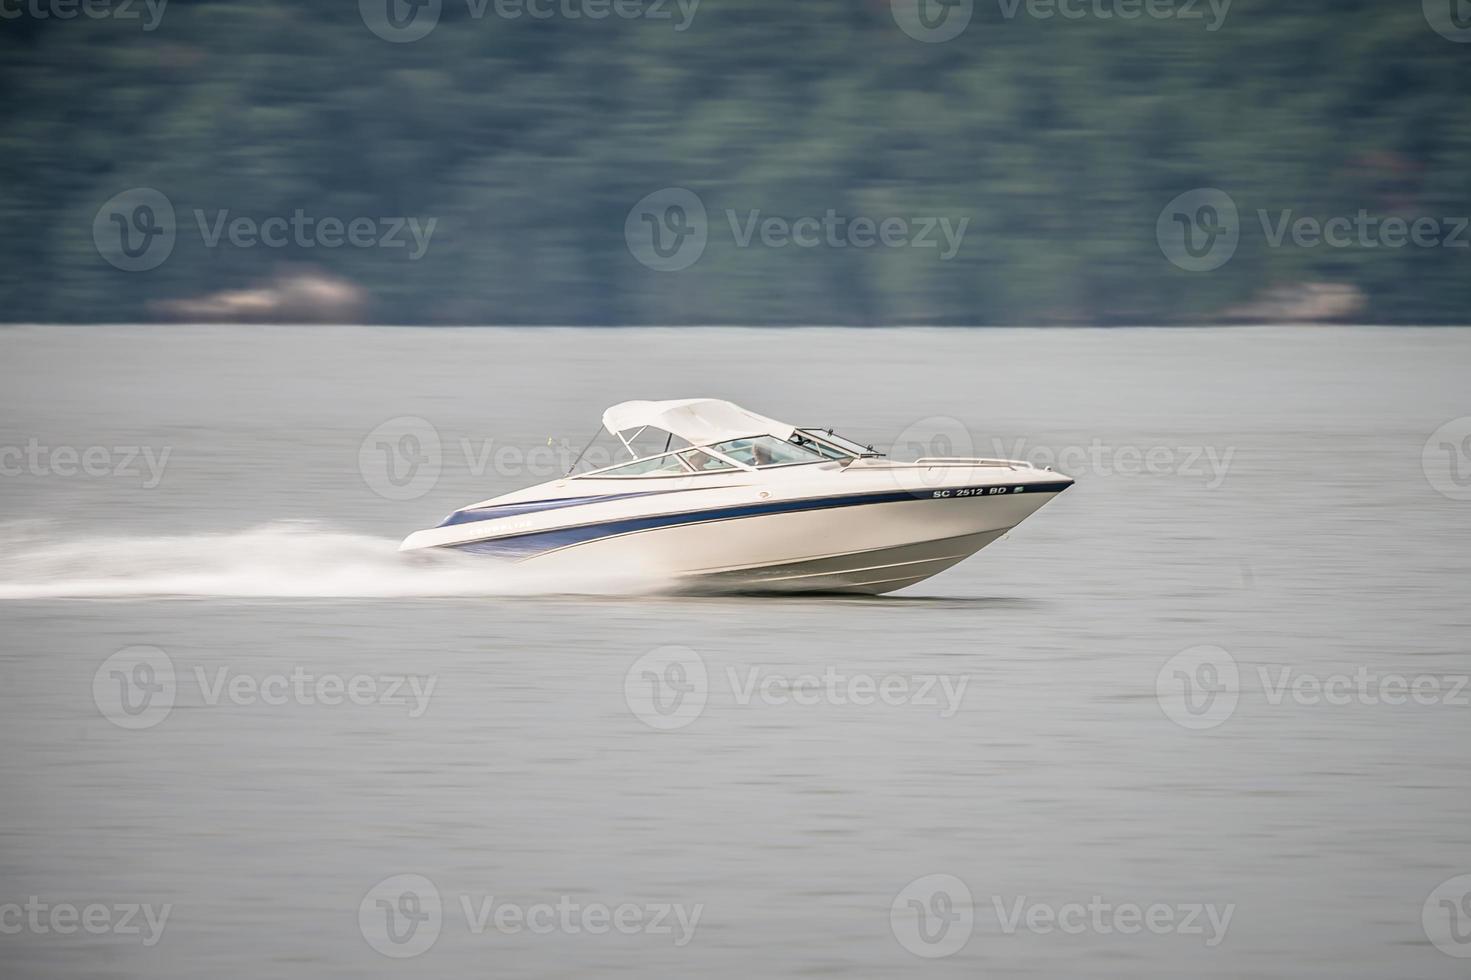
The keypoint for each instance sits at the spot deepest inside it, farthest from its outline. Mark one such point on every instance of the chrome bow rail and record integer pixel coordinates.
(1011, 464)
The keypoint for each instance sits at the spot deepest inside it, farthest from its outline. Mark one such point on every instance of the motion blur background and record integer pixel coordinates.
(530, 130)
(1266, 503)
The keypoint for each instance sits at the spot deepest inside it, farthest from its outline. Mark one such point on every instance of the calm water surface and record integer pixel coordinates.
(1135, 714)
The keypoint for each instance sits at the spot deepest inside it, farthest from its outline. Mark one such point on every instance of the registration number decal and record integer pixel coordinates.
(976, 492)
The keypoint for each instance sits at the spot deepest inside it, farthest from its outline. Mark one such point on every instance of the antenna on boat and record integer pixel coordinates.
(585, 447)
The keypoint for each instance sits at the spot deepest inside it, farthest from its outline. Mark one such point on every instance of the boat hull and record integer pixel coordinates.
(856, 548)
(874, 572)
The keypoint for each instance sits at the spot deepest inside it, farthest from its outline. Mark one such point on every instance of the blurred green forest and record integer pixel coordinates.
(529, 140)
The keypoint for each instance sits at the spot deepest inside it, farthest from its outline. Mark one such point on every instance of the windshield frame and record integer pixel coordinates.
(756, 439)
(609, 472)
(842, 444)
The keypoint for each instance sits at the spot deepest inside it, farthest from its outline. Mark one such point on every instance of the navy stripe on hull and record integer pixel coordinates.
(537, 542)
(494, 512)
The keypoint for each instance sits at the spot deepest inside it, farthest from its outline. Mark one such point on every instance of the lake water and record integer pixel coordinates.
(1203, 715)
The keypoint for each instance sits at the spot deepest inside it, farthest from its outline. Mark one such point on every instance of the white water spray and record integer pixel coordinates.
(279, 560)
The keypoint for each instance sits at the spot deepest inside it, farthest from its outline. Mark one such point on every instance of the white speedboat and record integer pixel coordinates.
(737, 502)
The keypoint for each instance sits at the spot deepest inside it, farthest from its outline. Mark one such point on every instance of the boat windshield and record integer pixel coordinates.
(830, 444)
(702, 462)
(761, 451)
(653, 466)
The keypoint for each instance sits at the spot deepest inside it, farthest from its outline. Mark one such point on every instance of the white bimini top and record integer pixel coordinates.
(698, 421)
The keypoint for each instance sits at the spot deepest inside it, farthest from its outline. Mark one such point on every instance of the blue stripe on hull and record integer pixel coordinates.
(496, 511)
(537, 542)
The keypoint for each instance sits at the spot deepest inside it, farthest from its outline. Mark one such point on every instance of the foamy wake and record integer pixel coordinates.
(283, 560)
